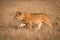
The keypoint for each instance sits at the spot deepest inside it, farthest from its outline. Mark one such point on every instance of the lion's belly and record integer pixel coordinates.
(36, 20)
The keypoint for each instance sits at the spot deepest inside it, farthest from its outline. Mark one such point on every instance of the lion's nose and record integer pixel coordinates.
(15, 18)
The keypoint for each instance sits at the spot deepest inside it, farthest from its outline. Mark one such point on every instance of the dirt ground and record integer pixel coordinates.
(9, 26)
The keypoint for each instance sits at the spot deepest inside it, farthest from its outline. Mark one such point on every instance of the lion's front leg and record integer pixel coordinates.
(30, 25)
(22, 25)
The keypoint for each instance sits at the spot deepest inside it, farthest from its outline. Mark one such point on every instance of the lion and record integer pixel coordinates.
(33, 18)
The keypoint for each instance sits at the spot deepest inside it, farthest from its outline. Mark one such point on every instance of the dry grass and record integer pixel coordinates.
(23, 34)
(9, 26)
(28, 34)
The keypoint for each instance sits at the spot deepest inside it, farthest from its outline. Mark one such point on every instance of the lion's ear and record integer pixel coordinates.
(19, 13)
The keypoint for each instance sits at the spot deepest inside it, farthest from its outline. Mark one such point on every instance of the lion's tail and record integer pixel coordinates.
(47, 21)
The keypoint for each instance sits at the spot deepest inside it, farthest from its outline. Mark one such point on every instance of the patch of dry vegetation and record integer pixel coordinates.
(25, 34)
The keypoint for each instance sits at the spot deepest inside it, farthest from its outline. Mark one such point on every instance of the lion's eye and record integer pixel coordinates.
(19, 13)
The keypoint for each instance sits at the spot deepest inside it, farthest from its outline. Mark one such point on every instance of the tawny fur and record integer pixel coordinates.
(34, 18)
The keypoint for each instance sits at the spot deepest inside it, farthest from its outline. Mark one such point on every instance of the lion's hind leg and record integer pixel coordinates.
(39, 26)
